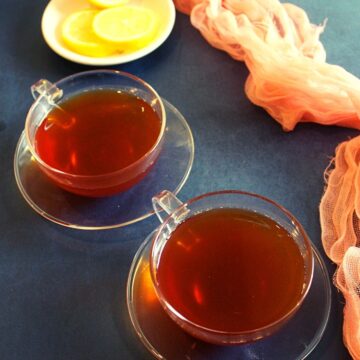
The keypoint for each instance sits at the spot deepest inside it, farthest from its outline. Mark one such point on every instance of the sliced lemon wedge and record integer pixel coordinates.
(129, 27)
(77, 33)
(108, 3)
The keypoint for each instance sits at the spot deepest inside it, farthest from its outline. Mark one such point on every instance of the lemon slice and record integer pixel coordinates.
(108, 3)
(79, 36)
(127, 26)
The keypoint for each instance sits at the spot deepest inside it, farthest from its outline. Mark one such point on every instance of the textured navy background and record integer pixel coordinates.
(62, 291)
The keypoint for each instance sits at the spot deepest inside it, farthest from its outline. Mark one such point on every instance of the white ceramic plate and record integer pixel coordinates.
(57, 10)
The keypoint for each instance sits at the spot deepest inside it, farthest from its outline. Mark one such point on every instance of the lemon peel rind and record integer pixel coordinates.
(104, 5)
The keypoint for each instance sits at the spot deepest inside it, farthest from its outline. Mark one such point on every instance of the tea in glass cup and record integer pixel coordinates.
(96, 133)
(229, 267)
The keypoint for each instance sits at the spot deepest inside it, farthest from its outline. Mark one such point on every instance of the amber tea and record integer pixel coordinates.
(98, 132)
(230, 269)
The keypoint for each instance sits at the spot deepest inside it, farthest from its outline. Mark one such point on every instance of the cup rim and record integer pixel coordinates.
(109, 174)
(173, 312)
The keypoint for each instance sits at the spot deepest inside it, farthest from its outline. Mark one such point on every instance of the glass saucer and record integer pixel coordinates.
(165, 340)
(169, 172)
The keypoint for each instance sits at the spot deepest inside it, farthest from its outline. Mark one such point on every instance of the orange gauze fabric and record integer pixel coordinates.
(348, 280)
(289, 77)
(339, 218)
(339, 207)
(186, 6)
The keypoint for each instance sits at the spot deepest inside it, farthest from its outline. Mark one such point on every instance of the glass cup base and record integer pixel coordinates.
(170, 171)
(165, 340)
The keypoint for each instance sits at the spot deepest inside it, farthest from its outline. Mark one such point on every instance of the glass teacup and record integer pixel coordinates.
(229, 267)
(51, 101)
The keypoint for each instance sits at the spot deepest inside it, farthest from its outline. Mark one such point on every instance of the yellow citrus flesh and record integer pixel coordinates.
(129, 27)
(78, 35)
(108, 3)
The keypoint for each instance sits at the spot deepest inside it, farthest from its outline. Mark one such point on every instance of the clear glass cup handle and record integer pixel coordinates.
(166, 203)
(46, 89)
(48, 93)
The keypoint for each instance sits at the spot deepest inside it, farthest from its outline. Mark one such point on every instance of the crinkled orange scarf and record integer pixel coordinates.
(289, 77)
(339, 216)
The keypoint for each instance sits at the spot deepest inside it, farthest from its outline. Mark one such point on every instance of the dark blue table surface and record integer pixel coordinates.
(62, 290)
